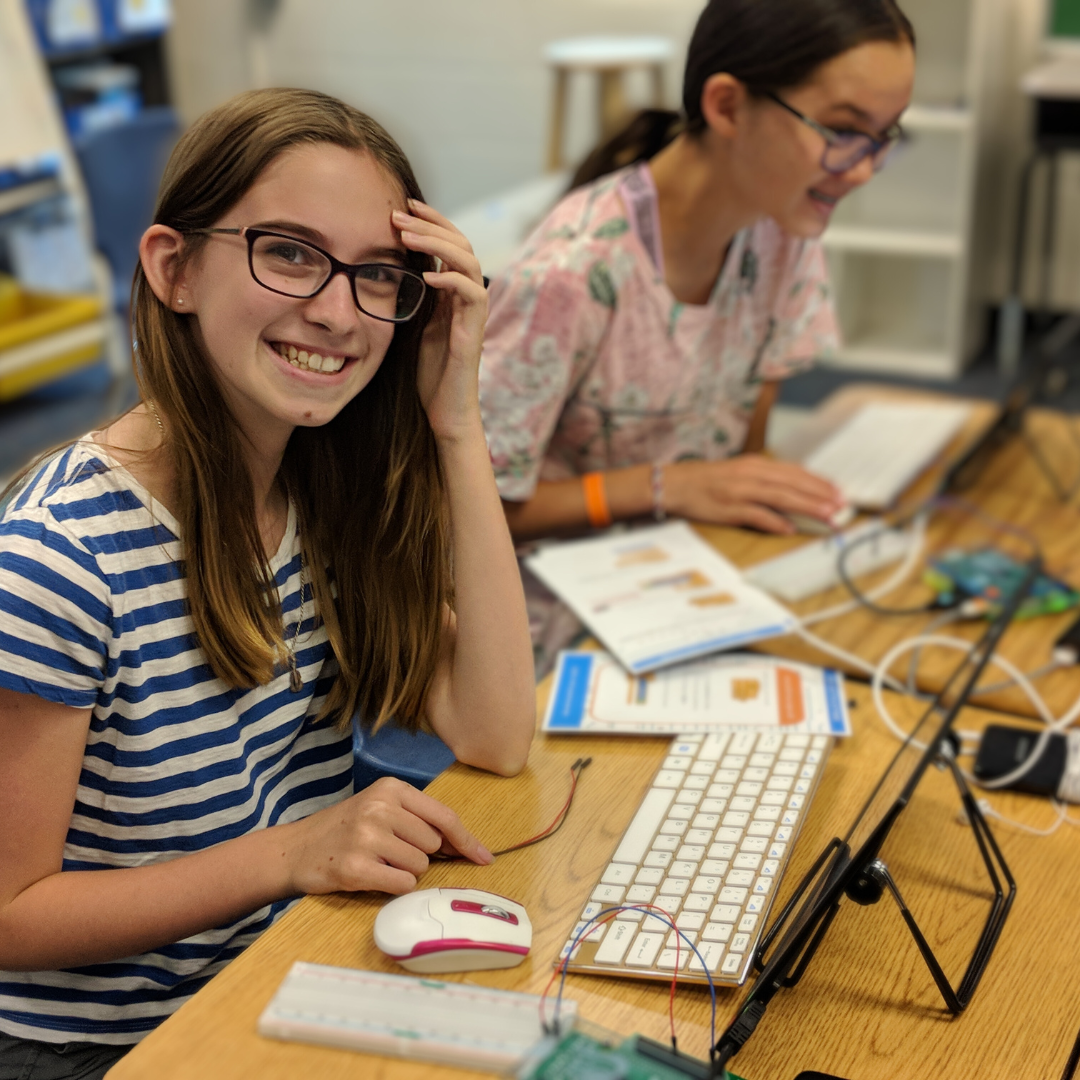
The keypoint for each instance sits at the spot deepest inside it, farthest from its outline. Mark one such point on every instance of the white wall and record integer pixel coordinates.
(460, 84)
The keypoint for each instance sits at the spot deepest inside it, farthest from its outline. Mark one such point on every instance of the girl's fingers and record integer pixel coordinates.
(443, 247)
(427, 213)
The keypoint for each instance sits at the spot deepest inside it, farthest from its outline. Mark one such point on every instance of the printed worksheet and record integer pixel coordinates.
(592, 694)
(659, 595)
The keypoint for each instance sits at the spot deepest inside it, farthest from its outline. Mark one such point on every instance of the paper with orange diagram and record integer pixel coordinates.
(592, 694)
(658, 596)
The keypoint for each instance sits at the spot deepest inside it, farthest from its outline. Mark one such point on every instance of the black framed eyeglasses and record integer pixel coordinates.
(845, 149)
(295, 268)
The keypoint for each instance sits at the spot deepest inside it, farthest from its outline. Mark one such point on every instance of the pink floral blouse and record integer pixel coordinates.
(590, 363)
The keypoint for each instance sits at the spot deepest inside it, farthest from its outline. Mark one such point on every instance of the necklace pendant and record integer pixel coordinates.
(296, 684)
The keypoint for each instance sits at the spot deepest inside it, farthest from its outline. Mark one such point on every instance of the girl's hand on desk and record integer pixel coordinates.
(379, 839)
(447, 378)
(747, 490)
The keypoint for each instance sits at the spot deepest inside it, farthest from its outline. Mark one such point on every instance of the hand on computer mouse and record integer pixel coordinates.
(749, 490)
(379, 839)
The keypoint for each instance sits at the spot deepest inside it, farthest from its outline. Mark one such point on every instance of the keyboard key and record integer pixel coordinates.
(767, 813)
(717, 931)
(790, 817)
(743, 802)
(670, 959)
(726, 776)
(770, 742)
(780, 783)
(682, 811)
(691, 920)
(703, 836)
(756, 773)
(736, 819)
(664, 842)
(713, 746)
(702, 768)
(819, 742)
(776, 851)
(683, 868)
(707, 884)
(762, 886)
(755, 905)
(798, 740)
(701, 901)
(791, 753)
(688, 744)
(668, 904)
(732, 964)
(591, 909)
(762, 828)
(813, 757)
(691, 853)
(733, 761)
(755, 845)
(777, 798)
(678, 762)
(747, 861)
(802, 787)
(728, 834)
(783, 834)
(807, 772)
(640, 894)
(676, 886)
(669, 778)
(795, 802)
(706, 821)
(630, 915)
(747, 923)
(721, 851)
(685, 938)
(711, 952)
(770, 867)
(749, 787)
(613, 948)
(740, 877)
(648, 876)
(740, 943)
(786, 768)
(720, 791)
(608, 894)
(762, 761)
(618, 874)
(674, 826)
(662, 859)
(686, 797)
(713, 806)
(696, 783)
(742, 742)
(732, 895)
(715, 867)
(595, 934)
(643, 952)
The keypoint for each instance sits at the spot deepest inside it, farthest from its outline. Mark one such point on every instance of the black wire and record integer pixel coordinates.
(1074, 1060)
(860, 597)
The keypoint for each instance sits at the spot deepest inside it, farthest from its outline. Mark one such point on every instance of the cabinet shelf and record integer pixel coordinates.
(18, 198)
(886, 241)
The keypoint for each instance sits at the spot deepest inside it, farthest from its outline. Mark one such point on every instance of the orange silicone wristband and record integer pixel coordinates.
(596, 507)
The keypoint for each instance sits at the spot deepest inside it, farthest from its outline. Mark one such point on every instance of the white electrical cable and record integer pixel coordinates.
(895, 580)
(843, 655)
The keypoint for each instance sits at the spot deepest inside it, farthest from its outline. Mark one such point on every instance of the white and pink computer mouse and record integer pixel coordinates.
(437, 930)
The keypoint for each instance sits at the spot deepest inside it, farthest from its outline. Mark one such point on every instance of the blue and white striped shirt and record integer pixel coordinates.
(93, 615)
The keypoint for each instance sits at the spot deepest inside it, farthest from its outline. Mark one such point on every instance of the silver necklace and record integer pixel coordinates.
(296, 682)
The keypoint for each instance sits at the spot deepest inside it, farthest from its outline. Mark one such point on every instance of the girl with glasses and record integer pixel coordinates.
(297, 524)
(634, 348)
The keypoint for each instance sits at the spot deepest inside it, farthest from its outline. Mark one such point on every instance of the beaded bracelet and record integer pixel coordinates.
(658, 511)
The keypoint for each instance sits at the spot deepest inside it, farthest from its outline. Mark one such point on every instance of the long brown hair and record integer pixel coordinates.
(367, 486)
(769, 45)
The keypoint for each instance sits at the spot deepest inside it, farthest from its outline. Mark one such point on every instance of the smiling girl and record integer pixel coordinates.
(298, 523)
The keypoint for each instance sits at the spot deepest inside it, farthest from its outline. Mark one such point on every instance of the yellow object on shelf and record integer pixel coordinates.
(44, 336)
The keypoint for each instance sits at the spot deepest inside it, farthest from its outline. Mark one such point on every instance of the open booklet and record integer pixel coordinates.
(659, 595)
(592, 694)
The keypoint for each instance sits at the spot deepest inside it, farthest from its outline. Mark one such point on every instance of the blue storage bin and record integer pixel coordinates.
(66, 26)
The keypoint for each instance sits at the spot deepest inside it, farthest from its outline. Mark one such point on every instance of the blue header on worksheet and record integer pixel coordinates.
(571, 690)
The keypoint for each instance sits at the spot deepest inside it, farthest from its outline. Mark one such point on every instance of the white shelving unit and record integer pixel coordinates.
(903, 248)
(32, 127)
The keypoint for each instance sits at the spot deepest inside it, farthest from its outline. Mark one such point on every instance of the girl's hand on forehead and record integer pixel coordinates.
(450, 352)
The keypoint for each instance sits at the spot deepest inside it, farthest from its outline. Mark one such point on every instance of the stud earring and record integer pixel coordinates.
(180, 300)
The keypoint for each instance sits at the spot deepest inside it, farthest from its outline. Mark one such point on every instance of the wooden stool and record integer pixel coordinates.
(610, 58)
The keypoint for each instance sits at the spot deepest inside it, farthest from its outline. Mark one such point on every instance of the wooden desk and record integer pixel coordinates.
(866, 1010)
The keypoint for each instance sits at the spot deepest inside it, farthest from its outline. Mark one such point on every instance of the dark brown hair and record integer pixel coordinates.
(367, 486)
(768, 45)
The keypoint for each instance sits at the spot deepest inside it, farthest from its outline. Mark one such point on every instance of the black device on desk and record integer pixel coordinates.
(851, 866)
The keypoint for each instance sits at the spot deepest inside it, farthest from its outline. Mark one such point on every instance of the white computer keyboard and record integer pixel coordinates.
(707, 845)
(883, 447)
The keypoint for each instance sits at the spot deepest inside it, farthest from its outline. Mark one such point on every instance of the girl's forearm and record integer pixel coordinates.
(559, 505)
(488, 708)
(75, 918)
